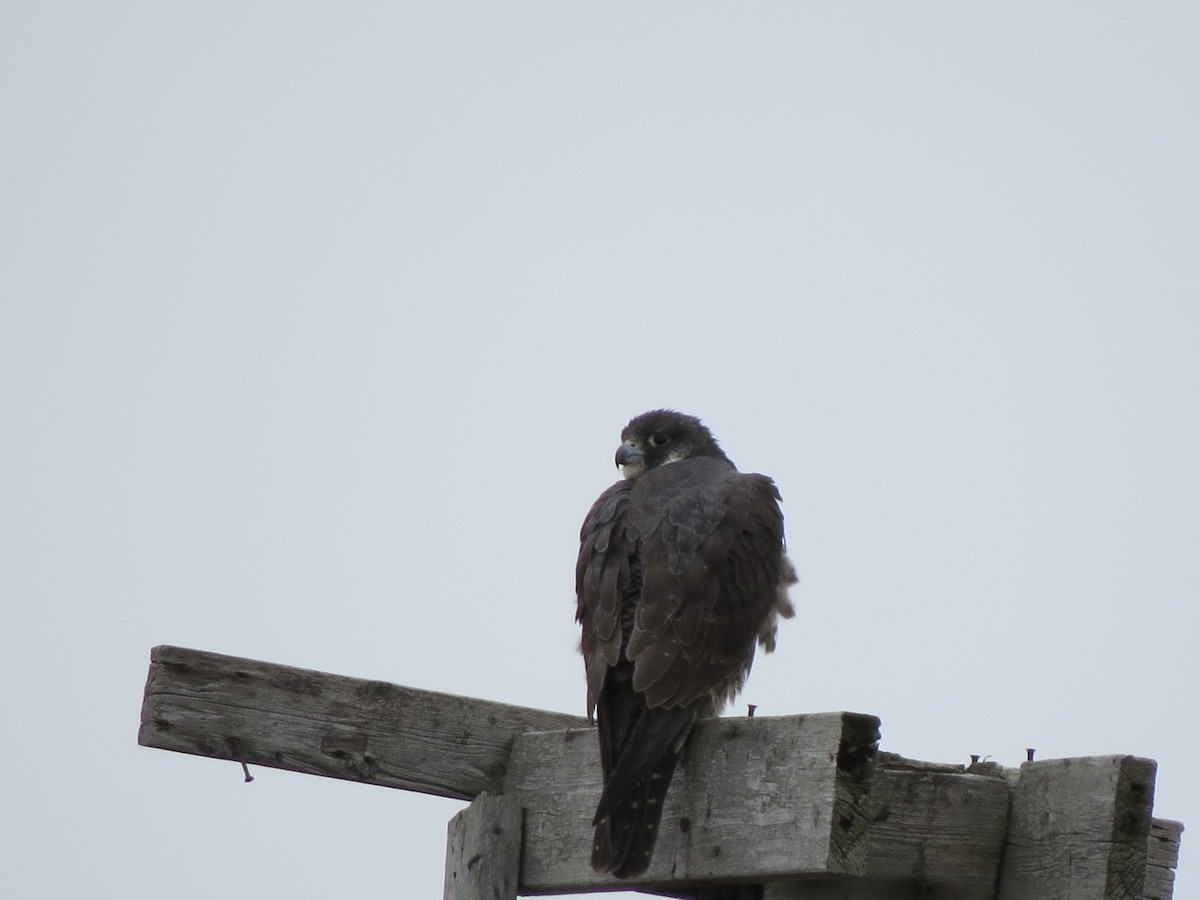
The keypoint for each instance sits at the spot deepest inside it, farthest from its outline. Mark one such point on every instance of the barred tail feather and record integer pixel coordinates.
(627, 828)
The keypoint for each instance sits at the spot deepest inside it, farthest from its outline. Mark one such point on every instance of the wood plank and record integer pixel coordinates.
(936, 829)
(483, 850)
(1162, 857)
(1079, 830)
(369, 731)
(753, 800)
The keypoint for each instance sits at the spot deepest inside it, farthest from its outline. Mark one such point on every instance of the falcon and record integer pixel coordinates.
(681, 573)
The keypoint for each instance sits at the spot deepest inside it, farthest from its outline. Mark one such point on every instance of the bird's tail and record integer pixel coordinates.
(631, 804)
(627, 828)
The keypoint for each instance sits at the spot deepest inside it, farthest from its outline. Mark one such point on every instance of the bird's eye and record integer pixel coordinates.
(658, 439)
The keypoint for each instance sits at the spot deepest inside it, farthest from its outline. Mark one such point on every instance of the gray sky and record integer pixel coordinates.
(320, 322)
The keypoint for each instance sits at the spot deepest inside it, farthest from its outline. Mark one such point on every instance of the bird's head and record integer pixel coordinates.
(663, 436)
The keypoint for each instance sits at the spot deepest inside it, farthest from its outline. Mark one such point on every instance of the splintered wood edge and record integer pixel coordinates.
(1162, 857)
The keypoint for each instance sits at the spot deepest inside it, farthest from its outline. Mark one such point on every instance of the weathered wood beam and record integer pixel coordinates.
(1079, 828)
(369, 731)
(754, 800)
(935, 828)
(483, 850)
(938, 828)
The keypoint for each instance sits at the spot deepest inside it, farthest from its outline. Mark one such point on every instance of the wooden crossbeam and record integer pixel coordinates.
(754, 800)
(369, 731)
(802, 805)
(937, 825)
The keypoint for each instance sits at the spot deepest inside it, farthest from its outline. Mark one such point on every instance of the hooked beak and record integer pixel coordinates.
(628, 455)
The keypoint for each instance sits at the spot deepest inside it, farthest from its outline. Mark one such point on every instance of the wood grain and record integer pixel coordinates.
(1162, 856)
(1079, 828)
(936, 829)
(754, 800)
(483, 850)
(373, 732)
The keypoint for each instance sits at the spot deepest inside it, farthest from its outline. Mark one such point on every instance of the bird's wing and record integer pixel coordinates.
(606, 581)
(710, 577)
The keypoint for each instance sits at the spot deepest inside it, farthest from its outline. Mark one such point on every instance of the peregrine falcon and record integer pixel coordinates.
(681, 572)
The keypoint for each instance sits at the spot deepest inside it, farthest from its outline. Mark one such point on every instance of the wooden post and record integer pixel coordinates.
(1079, 828)
(483, 850)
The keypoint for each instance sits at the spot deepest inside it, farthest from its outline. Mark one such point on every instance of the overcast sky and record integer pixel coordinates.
(320, 323)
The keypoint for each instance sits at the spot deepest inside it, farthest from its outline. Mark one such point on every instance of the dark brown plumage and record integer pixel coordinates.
(681, 572)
